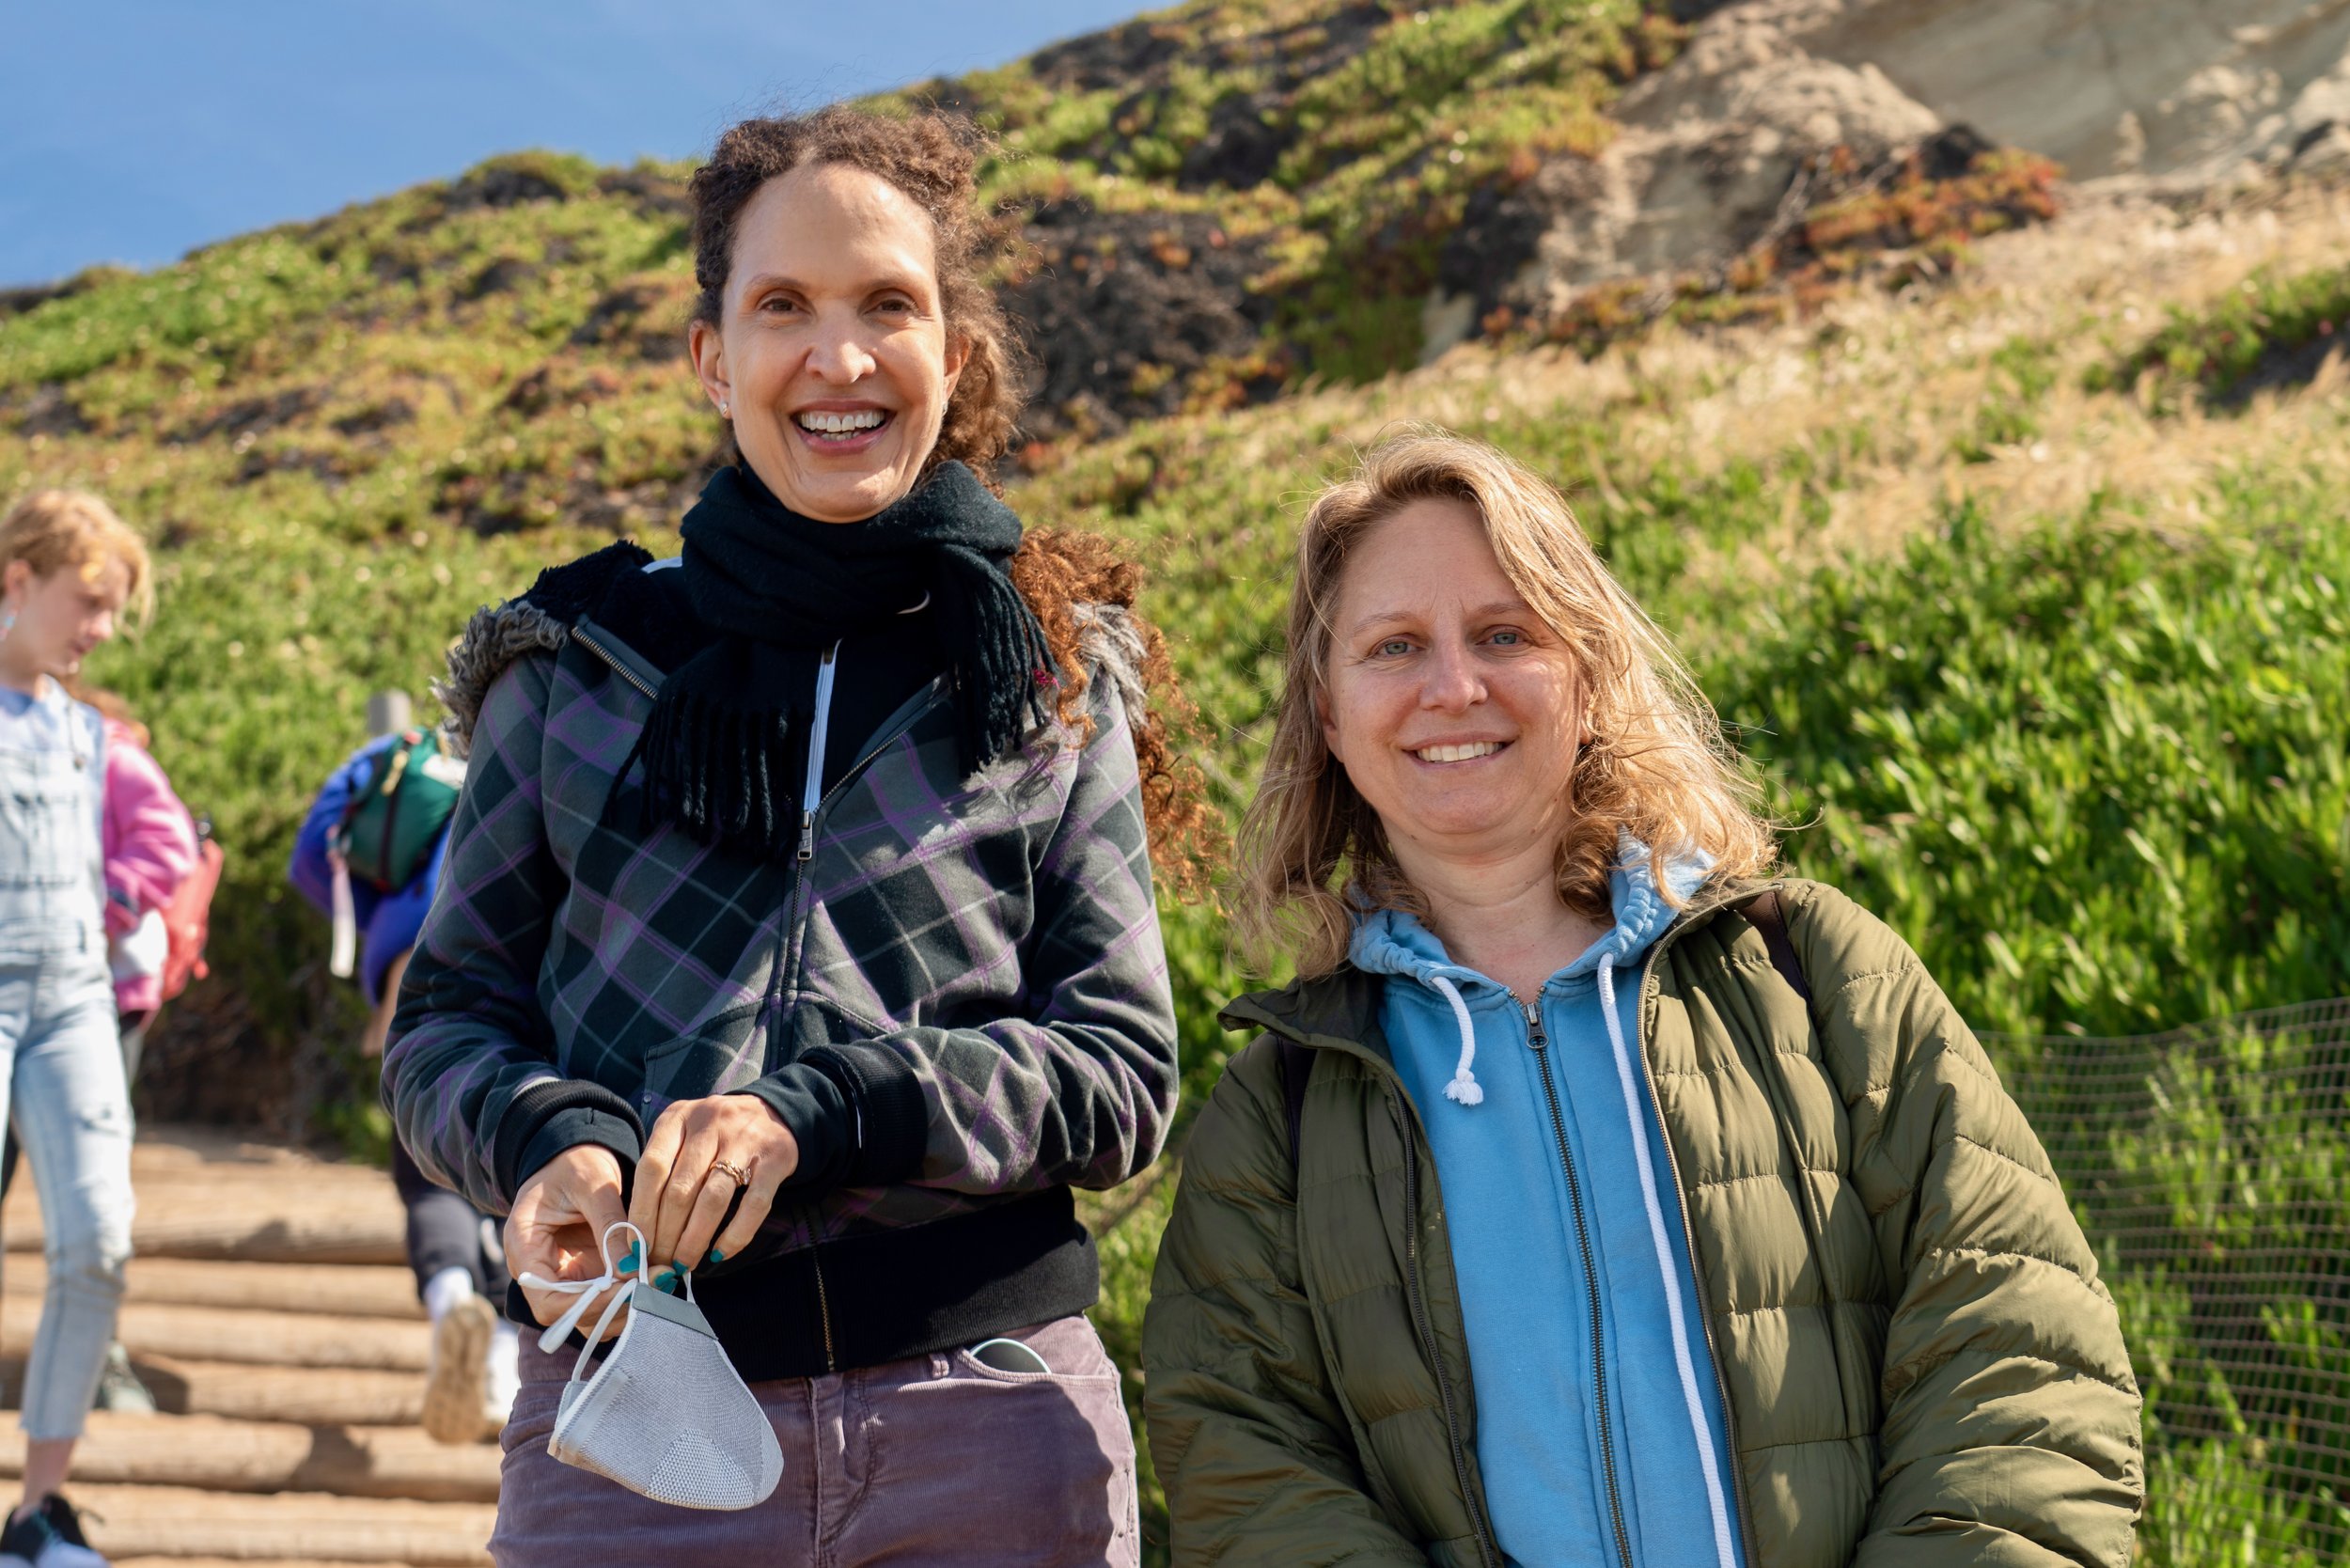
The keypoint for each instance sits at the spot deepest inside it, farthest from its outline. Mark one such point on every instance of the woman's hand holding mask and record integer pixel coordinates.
(559, 1214)
(699, 1154)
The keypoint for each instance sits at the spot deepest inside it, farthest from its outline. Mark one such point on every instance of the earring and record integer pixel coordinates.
(7, 623)
(726, 411)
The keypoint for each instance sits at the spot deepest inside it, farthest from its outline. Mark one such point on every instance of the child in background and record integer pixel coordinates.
(68, 568)
(460, 1275)
(150, 848)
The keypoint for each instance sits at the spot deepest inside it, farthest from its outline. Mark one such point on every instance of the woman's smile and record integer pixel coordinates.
(1453, 754)
(842, 430)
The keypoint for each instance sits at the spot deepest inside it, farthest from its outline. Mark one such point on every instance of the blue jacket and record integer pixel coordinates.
(1540, 1241)
(388, 922)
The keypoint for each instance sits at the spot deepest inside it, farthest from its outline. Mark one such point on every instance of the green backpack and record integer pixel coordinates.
(396, 816)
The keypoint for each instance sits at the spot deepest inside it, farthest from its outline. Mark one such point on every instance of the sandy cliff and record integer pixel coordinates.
(2176, 95)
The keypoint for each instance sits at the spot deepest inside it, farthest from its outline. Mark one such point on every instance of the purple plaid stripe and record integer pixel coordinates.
(996, 936)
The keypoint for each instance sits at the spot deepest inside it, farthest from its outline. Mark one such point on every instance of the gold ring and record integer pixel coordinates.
(742, 1177)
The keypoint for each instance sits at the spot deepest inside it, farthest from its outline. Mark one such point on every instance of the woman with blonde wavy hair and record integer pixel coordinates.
(1592, 1195)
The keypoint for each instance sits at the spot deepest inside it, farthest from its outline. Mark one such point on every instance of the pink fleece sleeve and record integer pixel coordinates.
(149, 840)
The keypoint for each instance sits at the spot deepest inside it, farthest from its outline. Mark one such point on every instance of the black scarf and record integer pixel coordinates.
(718, 750)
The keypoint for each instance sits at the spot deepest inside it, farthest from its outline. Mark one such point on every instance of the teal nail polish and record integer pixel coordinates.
(666, 1281)
(628, 1258)
(716, 1256)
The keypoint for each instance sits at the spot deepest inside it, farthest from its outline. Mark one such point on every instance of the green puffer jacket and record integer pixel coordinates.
(1920, 1365)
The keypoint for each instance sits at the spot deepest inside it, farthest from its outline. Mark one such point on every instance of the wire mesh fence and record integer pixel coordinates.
(2210, 1166)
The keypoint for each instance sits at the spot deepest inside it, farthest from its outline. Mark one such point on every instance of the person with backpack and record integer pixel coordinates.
(368, 857)
(70, 571)
(152, 848)
(1592, 1195)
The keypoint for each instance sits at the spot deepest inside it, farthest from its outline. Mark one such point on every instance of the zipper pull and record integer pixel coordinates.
(1535, 1036)
(808, 836)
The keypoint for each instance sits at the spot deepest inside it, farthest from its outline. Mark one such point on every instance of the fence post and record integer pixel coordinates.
(387, 711)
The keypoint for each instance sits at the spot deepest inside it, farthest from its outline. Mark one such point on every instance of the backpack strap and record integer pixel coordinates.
(1764, 912)
(1296, 1064)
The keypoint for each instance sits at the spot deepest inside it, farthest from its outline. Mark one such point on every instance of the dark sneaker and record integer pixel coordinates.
(50, 1537)
(119, 1388)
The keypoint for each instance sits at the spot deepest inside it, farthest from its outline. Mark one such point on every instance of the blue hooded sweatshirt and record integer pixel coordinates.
(1566, 1448)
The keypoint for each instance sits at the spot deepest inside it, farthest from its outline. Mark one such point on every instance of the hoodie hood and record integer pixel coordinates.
(1391, 942)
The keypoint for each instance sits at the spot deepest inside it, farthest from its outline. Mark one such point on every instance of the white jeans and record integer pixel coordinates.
(61, 1079)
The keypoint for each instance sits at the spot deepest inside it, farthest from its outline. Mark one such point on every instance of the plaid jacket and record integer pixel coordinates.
(960, 996)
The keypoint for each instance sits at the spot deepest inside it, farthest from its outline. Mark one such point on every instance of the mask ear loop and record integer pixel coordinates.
(588, 1290)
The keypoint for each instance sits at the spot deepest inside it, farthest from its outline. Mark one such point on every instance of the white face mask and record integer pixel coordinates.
(666, 1415)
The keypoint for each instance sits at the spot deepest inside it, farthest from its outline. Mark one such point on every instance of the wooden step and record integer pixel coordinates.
(269, 1338)
(333, 1290)
(180, 1522)
(235, 1562)
(305, 1396)
(204, 1194)
(271, 1456)
(181, 1146)
(202, 1220)
(308, 1396)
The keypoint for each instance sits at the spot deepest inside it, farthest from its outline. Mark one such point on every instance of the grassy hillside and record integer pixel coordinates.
(2026, 594)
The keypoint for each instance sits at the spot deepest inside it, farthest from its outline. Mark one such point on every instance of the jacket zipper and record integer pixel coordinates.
(800, 913)
(823, 1304)
(883, 739)
(1696, 1260)
(809, 806)
(579, 634)
(1487, 1550)
(1539, 1040)
(813, 809)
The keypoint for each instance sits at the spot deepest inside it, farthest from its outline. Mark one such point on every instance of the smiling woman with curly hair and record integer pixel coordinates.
(799, 908)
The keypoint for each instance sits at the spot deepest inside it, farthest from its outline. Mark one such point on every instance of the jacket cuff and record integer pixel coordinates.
(893, 1121)
(857, 1112)
(822, 1119)
(573, 1126)
(553, 1114)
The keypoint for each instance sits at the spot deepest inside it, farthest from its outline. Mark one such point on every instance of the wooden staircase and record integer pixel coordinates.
(272, 1315)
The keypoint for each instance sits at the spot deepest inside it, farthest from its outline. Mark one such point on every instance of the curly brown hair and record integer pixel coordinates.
(1067, 577)
(935, 161)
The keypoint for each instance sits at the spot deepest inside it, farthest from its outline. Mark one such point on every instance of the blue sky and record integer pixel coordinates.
(133, 130)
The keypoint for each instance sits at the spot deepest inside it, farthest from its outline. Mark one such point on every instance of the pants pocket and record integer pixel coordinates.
(1028, 1467)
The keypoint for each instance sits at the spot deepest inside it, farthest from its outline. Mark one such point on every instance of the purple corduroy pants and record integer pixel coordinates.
(932, 1458)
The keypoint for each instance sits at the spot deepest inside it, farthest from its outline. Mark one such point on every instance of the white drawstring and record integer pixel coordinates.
(1464, 1087)
(342, 959)
(588, 1290)
(1715, 1497)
